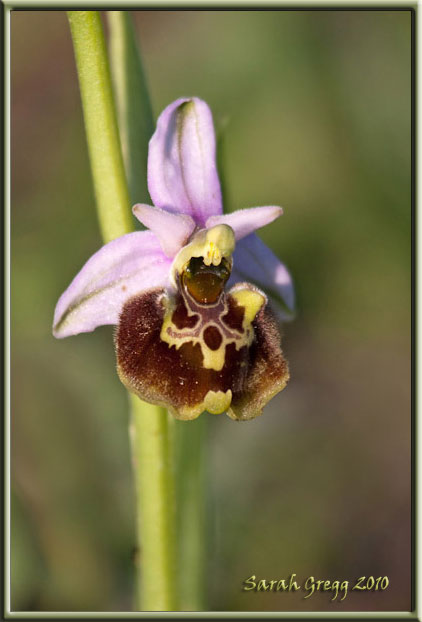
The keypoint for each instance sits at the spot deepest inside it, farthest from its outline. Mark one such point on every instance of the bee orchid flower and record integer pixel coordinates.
(194, 330)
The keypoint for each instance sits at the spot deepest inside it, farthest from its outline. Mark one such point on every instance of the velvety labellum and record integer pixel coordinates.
(190, 357)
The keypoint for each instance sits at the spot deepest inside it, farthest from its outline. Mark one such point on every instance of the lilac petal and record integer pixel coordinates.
(172, 230)
(115, 273)
(246, 221)
(182, 171)
(254, 262)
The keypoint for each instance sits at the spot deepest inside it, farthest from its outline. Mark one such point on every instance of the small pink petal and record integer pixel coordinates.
(246, 221)
(172, 230)
(182, 171)
(115, 273)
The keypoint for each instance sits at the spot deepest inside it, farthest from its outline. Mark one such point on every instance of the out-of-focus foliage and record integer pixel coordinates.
(314, 113)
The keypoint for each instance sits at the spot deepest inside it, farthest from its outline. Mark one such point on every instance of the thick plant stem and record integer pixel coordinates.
(149, 429)
(155, 500)
(100, 123)
(192, 519)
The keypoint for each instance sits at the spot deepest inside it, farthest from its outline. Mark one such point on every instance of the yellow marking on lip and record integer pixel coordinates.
(212, 359)
(251, 300)
(215, 402)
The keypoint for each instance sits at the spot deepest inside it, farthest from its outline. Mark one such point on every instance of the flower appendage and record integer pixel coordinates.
(194, 332)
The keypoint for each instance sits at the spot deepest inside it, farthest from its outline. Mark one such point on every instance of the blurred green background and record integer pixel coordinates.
(314, 107)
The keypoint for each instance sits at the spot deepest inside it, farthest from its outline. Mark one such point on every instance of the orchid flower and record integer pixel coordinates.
(194, 332)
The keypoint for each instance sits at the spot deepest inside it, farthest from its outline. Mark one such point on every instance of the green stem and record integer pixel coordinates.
(155, 500)
(191, 485)
(150, 439)
(100, 123)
